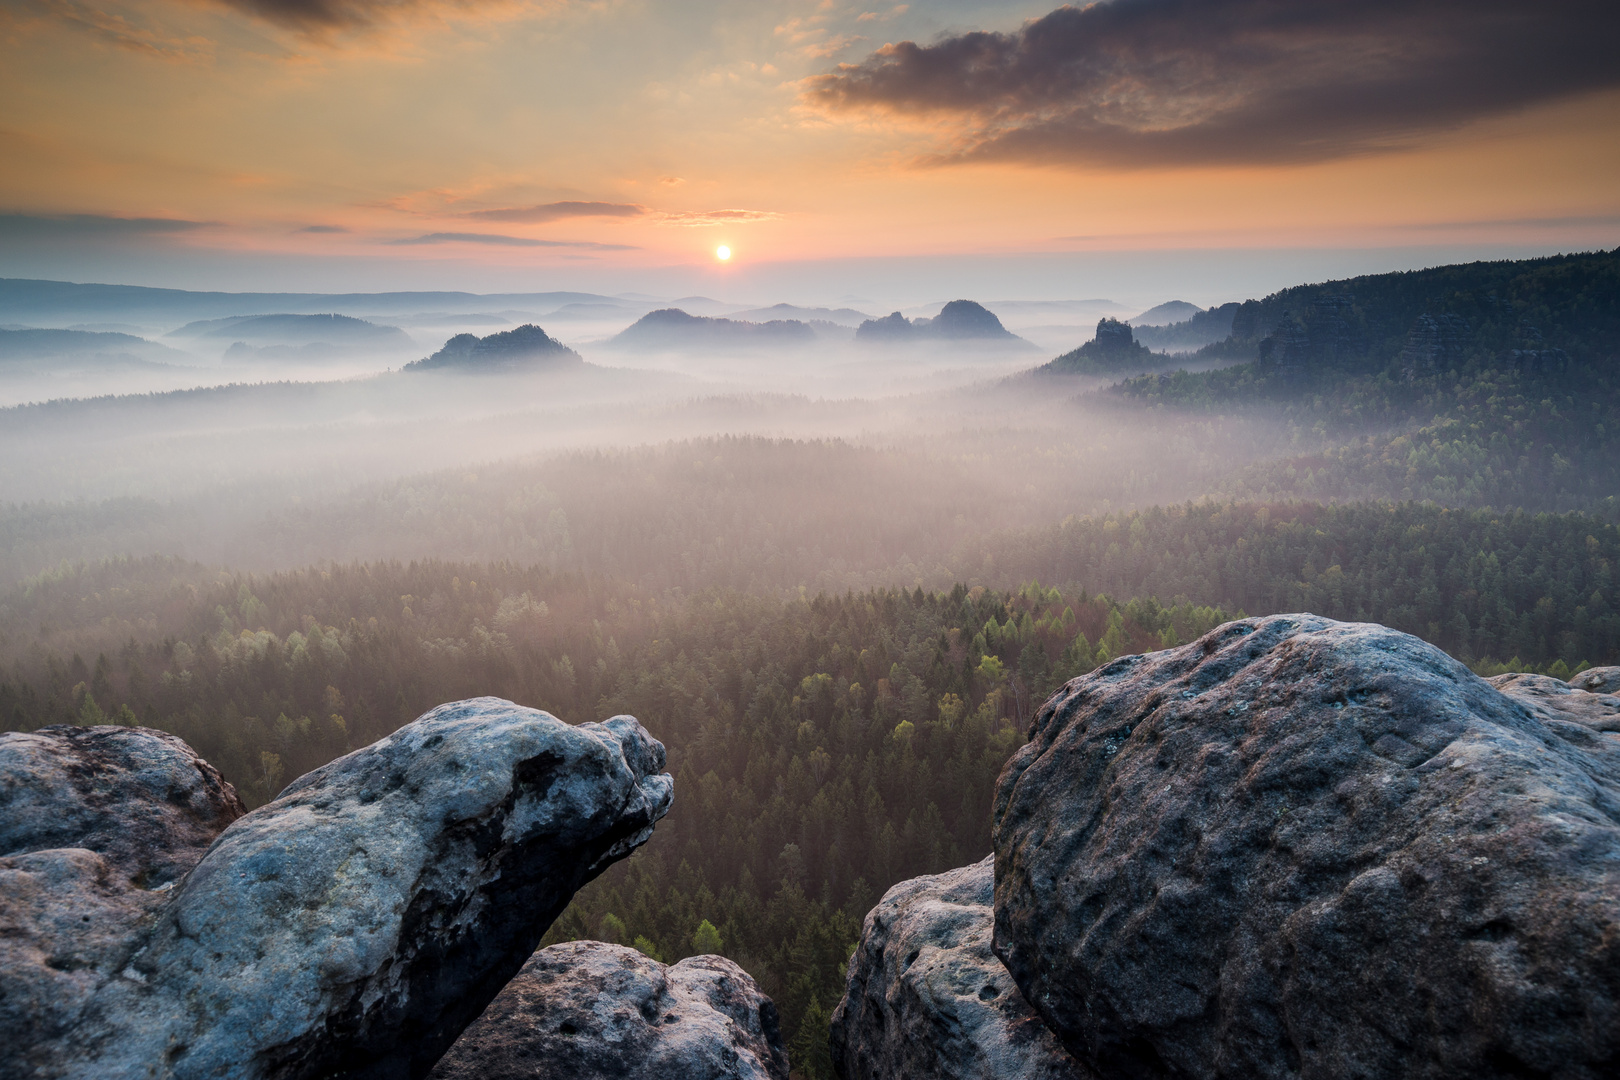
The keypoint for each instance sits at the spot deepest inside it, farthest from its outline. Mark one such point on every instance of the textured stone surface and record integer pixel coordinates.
(587, 1009)
(927, 997)
(1553, 698)
(1305, 848)
(353, 926)
(141, 799)
(1598, 680)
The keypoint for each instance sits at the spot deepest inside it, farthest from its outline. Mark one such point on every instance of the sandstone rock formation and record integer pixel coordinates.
(1598, 680)
(1305, 848)
(351, 927)
(1555, 699)
(586, 1010)
(927, 997)
(524, 348)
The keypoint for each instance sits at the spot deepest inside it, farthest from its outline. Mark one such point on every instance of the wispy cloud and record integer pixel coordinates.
(556, 211)
(24, 226)
(507, 241)
(715, 217)
(323, 229)
(127, 30)
(1144, 82)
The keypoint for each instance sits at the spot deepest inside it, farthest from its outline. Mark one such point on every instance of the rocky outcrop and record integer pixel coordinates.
(1554, 699)
(1305, 848)
(1113, 351)
(1598, 680)
(927, 997)
(1433, 342)
(672, 328)
(959, 320)
(524, 348)
(587, 1010)
(351, 927)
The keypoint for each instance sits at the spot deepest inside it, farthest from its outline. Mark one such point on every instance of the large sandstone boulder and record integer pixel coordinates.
(587, 1010)
(351, 927)
(1298, 847)
(1598, 680)
(927, 997)
(1551, 698)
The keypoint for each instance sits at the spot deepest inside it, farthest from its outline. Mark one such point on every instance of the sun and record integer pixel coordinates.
(722, 253)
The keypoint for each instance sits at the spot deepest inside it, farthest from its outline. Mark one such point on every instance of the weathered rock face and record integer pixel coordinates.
(351, 927)
(1555, 699)
(587, 1009)
(927, 997)
(1305, 848)
(1598, 680)
(141, 799)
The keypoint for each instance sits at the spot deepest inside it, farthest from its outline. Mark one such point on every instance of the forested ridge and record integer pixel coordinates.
(1489, 384)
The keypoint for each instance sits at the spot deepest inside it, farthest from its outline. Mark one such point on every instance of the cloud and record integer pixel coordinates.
(507, 241)
(558, 210)
(323, 229)
(1149, 82)
(715, 217)
(124, 30)
(19, 226)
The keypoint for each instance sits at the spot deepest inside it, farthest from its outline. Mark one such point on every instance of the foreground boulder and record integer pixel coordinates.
(927, 997)
(586, 1010)
(351, 927)
(1298, 847)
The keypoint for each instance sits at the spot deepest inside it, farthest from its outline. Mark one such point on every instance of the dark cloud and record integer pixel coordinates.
(558, 210)
(322, 229)
(1143, 82)
(15, 226)
(318, 15)
(507, 241)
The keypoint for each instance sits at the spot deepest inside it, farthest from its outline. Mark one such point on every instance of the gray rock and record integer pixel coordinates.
(1553, 698)
(142, 799)
(1297, 847)
(351, 927)
(1598, 680)
(588, 1009)
(927, 998)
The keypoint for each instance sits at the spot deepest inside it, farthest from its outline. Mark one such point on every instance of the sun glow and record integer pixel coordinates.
(722, 253)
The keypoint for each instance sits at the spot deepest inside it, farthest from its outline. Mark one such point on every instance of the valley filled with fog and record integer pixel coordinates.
(267, 441)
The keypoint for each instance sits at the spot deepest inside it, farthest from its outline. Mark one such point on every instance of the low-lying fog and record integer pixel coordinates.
(248, 439)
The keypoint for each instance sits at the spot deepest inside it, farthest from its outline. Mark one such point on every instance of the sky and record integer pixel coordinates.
(1204, 148)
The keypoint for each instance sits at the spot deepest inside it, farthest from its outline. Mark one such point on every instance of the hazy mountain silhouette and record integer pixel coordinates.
(527, 347)
(672, 328)
(959, 320)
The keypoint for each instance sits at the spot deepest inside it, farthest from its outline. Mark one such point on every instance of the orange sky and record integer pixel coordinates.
(390, 136)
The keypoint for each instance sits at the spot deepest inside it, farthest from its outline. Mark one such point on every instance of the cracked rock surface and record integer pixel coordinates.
(927, 997)
(586, 1010)
(1298, 847)
(351, 927)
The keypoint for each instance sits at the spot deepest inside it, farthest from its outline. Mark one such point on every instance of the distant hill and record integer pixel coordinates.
(672, 328)
(1114, 351)
(1484, 384)
(1203, 328)
(959, 320)
(34, 301)
(841, 316)
(82, 347)
(527, 347)
(289, 329)
(1171, 311)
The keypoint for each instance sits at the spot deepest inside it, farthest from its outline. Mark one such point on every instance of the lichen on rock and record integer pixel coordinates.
(352, 926)
(588, 1010)
(1302, 847)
